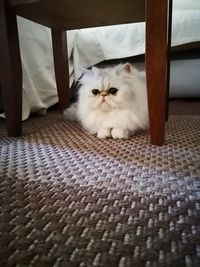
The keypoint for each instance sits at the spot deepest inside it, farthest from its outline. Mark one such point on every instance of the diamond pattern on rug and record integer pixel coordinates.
(70, 199)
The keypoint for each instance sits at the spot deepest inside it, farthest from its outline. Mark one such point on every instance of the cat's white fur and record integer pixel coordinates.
(116, 116)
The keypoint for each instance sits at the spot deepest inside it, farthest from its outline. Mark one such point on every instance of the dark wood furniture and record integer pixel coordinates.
(65, 15)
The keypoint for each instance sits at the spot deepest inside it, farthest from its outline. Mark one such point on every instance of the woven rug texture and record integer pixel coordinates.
(69, 199)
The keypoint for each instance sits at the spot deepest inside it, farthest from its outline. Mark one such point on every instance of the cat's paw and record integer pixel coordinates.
(119, 133)
(103, 133)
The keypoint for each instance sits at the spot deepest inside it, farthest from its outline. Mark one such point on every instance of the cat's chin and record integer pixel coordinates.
(105, 107)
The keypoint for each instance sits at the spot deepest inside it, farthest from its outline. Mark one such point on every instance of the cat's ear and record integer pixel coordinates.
(88, 74)
(95, 70)
(91, 72)
(125, 68)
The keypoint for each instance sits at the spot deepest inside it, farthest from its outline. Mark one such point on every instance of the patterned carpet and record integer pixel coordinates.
(69, 199)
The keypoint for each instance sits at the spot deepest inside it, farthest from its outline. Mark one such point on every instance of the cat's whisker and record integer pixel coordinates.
(98, 102)
(110, 102)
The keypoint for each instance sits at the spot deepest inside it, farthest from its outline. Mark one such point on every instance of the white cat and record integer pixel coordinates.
(112, 102)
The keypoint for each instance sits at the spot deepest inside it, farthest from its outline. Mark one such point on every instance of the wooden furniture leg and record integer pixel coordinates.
(168, 57)
(59, 42)
(10, 70)
(156, 66)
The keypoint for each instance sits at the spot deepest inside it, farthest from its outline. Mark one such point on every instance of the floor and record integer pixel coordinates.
(70, 199)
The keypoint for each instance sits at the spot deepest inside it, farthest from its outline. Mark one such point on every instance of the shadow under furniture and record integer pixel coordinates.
(65, 15)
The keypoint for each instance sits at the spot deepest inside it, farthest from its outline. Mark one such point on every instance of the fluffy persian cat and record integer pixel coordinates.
(112, 102)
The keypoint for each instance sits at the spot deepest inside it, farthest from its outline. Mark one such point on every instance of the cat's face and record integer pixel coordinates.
(107, 89)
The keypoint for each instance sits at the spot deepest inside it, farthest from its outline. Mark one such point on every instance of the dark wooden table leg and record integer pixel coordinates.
(10, 69)
(156, 66)
(59, 41)
(168, 56)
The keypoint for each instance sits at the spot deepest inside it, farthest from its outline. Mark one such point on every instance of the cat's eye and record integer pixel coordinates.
(113, 91)
(95, 91)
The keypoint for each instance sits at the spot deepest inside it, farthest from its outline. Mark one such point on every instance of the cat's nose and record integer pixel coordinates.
(104, 93)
